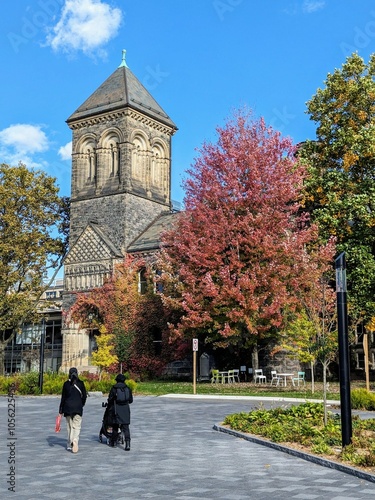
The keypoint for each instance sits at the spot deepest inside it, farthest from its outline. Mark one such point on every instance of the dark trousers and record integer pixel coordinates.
(116, 428)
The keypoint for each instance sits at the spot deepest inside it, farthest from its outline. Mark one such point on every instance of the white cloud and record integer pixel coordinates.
(23, 139)
(65, 152)
(85, 25)
(310, 6)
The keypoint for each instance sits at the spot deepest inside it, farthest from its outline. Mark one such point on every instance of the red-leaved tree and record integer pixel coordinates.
(239, 252)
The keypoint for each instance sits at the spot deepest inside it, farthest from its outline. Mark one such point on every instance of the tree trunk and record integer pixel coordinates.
(255, 358)
(312, 377)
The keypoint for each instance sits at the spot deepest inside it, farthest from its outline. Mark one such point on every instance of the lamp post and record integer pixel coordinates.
(90, 317)
(342, 324)
(41, 356)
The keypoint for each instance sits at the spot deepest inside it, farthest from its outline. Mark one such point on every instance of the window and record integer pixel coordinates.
(139, 158)
(142, 282)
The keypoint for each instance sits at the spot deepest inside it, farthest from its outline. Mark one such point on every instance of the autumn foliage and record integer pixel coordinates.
(132, 320)
(242, 248)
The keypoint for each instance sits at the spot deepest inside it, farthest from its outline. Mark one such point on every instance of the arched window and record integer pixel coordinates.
(110, 154)
(139, 158)
(91, 158)
(87, 161)
(142, 281)
(158, 164)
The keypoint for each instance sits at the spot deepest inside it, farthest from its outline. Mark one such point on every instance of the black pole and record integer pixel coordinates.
(41, 358)
(344, 371)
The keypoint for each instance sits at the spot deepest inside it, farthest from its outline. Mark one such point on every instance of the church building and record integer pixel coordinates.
(120, 190)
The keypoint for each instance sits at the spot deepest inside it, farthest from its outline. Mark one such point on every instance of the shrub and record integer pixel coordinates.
(29, 383)
(105, 385)
(6, 382)
(3, 384)
(101, 386)
(53, 382)
(303, 424)
(88, 377)
(132, 384)
(361, 399)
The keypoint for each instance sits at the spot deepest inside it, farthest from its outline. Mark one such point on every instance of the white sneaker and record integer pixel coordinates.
(75, 446)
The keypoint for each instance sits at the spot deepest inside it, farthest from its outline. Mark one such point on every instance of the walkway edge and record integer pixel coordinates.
(248, 398)
(291, 451)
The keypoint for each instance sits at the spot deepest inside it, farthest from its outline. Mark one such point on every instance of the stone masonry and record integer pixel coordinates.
(121, 171)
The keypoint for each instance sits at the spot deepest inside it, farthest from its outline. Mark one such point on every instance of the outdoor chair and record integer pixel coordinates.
(259, 377)
(274, 377)
(236, 375)
(215, 376)
(227, 377)
(300, 378)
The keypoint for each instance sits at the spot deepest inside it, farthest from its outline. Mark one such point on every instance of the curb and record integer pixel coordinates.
(95, 394)
(248, 398)
(291, 451)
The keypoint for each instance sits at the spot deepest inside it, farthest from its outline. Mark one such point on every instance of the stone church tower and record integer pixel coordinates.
(121, 184)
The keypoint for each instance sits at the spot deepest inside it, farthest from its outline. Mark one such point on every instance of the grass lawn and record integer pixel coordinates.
(158, 388)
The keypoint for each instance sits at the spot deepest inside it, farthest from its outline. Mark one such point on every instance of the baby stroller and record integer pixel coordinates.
(107, 428)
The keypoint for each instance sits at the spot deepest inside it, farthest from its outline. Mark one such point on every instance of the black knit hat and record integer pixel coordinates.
(120, 378)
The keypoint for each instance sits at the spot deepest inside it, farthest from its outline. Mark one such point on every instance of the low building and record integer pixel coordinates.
(22, 354)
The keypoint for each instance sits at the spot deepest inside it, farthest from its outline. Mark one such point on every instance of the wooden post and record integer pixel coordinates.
(195, 349)
(194, 372)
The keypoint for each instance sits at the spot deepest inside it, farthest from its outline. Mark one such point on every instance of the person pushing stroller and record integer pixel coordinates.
(118, 411)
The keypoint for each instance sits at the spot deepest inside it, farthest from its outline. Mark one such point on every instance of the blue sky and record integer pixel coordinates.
(200, 59)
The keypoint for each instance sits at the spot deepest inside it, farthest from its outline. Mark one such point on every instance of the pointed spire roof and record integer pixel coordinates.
(122, 89)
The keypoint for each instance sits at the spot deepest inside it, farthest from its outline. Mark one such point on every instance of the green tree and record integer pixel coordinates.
(298, 342)
(33, 242)
(340, 189)
(312, 335)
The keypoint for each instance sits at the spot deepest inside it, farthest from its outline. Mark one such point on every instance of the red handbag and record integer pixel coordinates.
(58, 423)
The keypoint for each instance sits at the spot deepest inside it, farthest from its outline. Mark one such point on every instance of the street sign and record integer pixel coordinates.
(195, 344)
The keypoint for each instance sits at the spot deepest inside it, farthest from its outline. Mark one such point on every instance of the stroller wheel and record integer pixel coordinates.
(120, 438)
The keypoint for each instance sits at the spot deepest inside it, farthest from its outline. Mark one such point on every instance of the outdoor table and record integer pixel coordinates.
(224, 375)
(286, 376)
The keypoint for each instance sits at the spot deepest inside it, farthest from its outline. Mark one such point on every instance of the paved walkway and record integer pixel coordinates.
(176, 454)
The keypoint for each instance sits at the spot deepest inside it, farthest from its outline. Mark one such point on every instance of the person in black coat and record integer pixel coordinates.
(119, 399)
(73, 399)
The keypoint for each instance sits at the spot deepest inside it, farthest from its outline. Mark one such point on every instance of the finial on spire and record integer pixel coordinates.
(123, 62)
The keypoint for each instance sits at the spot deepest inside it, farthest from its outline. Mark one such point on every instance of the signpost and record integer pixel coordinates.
(195, 349)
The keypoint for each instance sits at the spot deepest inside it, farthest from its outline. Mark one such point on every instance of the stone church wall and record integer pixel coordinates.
(122, 217)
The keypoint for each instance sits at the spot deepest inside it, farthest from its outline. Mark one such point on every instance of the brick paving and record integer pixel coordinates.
(175, 454)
